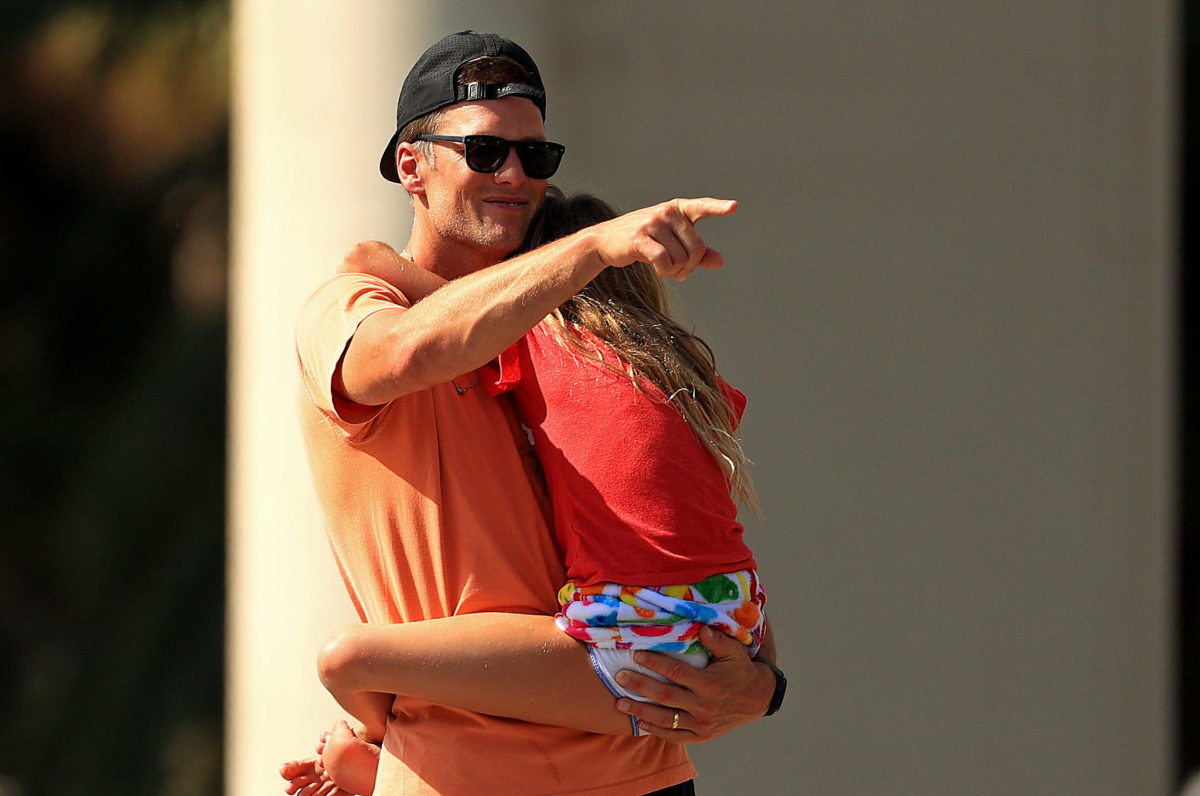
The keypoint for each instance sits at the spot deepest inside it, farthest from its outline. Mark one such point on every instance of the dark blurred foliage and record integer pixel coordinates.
(113, 197)
(1188, 553)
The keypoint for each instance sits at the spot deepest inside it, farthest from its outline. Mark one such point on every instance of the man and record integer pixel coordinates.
(429, 493)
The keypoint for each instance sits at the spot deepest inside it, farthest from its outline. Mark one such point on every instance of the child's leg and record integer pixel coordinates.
(513, 665)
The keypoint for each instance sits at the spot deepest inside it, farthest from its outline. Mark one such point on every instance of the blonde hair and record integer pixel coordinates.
(628, 310)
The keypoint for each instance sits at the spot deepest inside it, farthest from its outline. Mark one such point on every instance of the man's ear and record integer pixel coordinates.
(410, 168)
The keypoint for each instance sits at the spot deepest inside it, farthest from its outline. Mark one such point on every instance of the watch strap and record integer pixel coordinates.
(780, 687)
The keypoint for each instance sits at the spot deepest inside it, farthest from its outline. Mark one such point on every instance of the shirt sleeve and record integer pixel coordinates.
(735, 399)
(503, 373)
(327, 323)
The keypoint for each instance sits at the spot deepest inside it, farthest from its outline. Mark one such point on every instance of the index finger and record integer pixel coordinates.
(705, 207)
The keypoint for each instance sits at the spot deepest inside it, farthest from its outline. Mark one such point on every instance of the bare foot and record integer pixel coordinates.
(307, 778)
(349, 761)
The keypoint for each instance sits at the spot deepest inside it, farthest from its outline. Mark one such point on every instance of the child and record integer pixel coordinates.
(635, 433)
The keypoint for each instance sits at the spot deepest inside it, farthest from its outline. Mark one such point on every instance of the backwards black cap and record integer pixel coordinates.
(431, 83)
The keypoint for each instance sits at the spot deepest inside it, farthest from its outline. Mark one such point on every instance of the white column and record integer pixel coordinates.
(310, 116)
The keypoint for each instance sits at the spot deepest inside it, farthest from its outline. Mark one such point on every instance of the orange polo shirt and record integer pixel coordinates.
(432, 509)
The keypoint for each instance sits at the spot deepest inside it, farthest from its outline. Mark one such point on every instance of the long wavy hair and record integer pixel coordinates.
(628, 309)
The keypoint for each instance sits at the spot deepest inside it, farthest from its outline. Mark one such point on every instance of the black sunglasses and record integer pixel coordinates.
(487, 153)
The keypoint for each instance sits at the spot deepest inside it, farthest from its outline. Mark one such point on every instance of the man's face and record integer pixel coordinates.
(488, 213)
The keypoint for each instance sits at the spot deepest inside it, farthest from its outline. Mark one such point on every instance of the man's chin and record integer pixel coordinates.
(508, 241)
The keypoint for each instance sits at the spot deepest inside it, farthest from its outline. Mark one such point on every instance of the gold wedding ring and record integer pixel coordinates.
(675, 721)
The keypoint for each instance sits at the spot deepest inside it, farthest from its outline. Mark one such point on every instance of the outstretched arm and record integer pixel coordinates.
(470, 320)
(731, 691)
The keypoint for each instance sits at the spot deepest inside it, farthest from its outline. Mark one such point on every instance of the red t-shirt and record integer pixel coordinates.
(637, 498)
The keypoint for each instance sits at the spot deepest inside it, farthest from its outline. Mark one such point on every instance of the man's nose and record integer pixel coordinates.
(511, 172)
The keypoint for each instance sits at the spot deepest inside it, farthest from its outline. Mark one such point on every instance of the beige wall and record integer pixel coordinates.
(949, 300)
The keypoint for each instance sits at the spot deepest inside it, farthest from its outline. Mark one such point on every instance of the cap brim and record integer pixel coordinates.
(387, 163)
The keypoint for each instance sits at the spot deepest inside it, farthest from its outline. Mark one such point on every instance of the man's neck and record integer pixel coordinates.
(447, 259)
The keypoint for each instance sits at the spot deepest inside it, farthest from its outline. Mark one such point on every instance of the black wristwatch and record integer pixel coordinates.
(780, 687)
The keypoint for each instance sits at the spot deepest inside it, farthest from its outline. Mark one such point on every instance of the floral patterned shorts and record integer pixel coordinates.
(664, 618)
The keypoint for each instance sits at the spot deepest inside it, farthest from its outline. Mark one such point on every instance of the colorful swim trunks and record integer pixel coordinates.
(664, 618)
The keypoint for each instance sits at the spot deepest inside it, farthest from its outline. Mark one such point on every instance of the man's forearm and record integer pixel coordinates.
(766, 674)
(465, 323)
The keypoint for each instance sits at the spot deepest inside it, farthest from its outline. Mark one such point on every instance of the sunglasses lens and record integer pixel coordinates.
(484, 153)
(540, 159)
